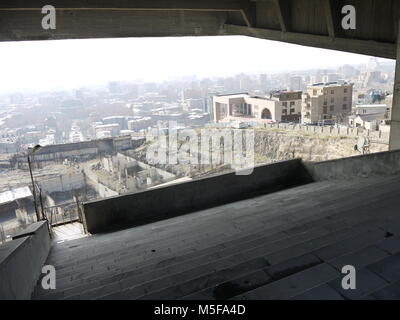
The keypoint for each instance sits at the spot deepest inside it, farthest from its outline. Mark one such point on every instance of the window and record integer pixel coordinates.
(325, 109)
(284, 111)
(344, 107)
(344, 98)
(331, 108)
(315, 92)
(291, 110)
(332, 91)
(284, 104)
(325, 103)
(332, 99)
(345, 90)
(223, 109)
(292, 103)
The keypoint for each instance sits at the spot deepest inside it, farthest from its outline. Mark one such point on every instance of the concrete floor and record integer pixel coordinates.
(290, 244)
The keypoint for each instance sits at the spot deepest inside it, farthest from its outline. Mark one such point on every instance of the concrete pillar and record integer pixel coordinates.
(394, 140)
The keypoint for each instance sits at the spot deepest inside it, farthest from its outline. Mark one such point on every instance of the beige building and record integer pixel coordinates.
(327, 101)
(279, 106)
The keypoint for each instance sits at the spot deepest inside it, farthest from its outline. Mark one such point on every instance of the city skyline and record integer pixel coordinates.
(69, 64)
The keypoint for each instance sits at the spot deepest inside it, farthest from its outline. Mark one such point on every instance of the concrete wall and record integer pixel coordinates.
(381, 135)
(105, 191)
(21, 261)
(62, 183)
(93, 180)
(374, 164)
(163, 203)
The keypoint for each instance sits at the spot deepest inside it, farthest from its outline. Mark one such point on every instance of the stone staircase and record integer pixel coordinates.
(290, 244)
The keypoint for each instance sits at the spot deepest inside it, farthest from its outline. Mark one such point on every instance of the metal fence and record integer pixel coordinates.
(62, 214)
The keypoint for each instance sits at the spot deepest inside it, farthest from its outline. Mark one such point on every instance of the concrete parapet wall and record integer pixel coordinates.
(375, 164)
(166, 202)
(382, 136)
(21, 261)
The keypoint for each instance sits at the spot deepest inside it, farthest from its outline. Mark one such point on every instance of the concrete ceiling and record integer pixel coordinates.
(315, 23)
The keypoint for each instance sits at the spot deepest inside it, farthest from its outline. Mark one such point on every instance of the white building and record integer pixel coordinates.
(279, 106)
(102, 130)
(367, 121)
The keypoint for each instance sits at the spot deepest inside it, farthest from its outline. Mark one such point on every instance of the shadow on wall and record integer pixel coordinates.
(166, 202)
(375, 164)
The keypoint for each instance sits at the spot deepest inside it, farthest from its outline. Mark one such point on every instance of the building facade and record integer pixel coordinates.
(278, 106)
(327, 101)
(367, 121)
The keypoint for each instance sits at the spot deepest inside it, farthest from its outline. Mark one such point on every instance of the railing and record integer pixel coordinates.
(62, 214)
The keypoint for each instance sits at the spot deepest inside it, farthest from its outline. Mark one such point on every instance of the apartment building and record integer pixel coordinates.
(278, 106)
(327, 101)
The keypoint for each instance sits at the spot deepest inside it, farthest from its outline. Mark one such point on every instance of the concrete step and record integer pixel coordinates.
(289, 253)
(293, 285)
(59, 254)
(325, 222)
(188, 277)
(119, 272)
(191, 259)
(214, 260)
(229, 288)
(189, 256)
(98, 241)
(126, 250)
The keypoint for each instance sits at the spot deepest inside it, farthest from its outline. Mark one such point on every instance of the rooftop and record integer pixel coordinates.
(330, 84)
(370, 105)
(14, 194)
(370, 117)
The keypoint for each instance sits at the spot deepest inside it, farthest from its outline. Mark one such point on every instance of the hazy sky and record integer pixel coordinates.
(66, 64)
